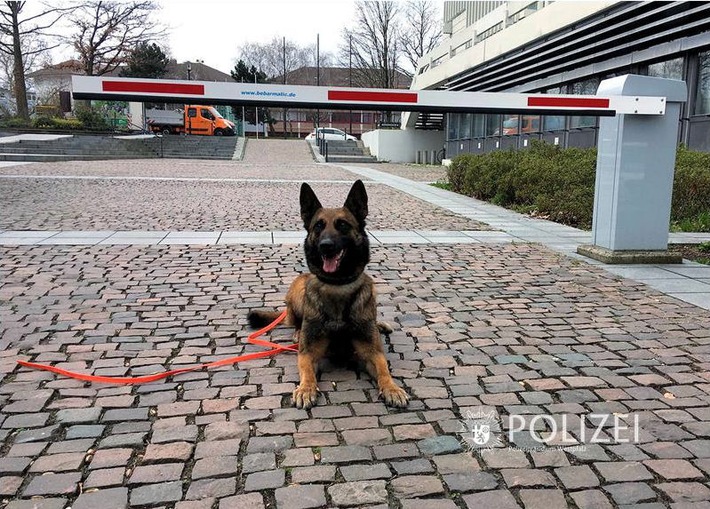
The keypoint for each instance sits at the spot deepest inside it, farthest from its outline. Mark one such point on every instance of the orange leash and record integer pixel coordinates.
(252, 339)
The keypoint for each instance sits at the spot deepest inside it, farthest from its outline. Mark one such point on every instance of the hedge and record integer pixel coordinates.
(558, 184)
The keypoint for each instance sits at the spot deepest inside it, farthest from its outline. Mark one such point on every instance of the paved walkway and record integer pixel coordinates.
(537, 378)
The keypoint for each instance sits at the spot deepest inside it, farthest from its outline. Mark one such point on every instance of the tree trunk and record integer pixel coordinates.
(18, 64)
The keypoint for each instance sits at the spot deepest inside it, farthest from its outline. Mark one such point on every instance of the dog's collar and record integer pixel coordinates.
(339, 281)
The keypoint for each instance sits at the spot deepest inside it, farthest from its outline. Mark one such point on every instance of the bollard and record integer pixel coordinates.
(634, 176)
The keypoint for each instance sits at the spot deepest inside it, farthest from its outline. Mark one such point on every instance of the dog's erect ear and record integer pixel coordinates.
(309, 204)
(356, 201)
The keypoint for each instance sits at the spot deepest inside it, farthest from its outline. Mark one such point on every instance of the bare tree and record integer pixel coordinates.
(22, 38)
(279, 57)
(420, 33)
(106, 32)
(374, 44)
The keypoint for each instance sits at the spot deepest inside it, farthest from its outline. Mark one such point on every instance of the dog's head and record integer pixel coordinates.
(337, 247)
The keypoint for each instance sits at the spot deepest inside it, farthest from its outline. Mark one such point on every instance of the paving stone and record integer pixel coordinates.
(685, 491)
(623, 471)
(10, 485)
(456, 463)
(111, 498)
(543, 499)
(414, 486)
(85, 431)
(176, 451)
(211, 488)
(416, 466)
(526, 478)
(258, 462)
(105, 458)
(248, 501)
(477, 481)
(264, 480)
(14, 465)
(38, 503)
(630, 492)
(226, 431)
(153, 474)
(316, 439)
(439, 445)
(154, 494)
(298, 458)
(589, 499)
(106, 477)
(345, 454)
(300, 497)
(358, 493)
(505, 458)
(366, 437)
(674, 469)
(196, 504)
(317, 473)
(413, 432)
(78, 415)
(428, 503)
(499, 499)
(53, 484)
(217, 448)
(215, 467)
(576, 477)
(269, 444)
(365, 472)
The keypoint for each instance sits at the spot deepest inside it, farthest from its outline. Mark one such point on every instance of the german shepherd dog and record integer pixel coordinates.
(333, 307)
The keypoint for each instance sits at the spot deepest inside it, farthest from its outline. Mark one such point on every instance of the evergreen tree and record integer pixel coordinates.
(147, 60)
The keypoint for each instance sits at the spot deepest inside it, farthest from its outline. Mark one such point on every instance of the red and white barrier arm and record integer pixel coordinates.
(340, 98)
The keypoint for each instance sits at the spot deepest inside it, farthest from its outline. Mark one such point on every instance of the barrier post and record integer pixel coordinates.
(634, 177)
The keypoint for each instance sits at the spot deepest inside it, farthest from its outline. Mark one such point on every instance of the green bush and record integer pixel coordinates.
(558, 184)
(45, 122)
(691, 187)
(14, 122)
(91, 119)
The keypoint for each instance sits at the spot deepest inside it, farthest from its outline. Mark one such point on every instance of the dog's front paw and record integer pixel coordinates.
(395, 396)
(305, 396)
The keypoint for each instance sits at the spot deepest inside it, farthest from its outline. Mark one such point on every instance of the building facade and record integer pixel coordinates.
(565, 47)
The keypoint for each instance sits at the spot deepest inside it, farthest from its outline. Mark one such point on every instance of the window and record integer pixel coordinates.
(702, 99)
(511, 124)
(453, 124)
(465, 126)
(487, 33)
(479, 125)
(192, 112)
(586, 87)
(672, 69)
(553, 122)
(493, 125)
(206, 114)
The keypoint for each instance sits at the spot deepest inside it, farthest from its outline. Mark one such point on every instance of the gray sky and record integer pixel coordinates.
(223, 26)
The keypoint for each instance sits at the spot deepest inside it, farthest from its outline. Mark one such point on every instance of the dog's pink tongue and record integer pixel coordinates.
(330, 264)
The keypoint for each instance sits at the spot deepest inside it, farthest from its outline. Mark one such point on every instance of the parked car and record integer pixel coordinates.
(329, 133)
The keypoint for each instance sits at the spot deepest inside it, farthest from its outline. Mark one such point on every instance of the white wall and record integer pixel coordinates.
(400, 146)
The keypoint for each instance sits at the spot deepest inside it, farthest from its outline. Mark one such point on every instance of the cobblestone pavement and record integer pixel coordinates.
(416, 172)
(490, 341)
(81, 204)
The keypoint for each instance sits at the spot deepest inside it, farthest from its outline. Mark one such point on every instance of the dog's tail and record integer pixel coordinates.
(259, 318)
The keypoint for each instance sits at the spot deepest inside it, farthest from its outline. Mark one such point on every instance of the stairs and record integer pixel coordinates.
(341, 151)
(89, 147)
